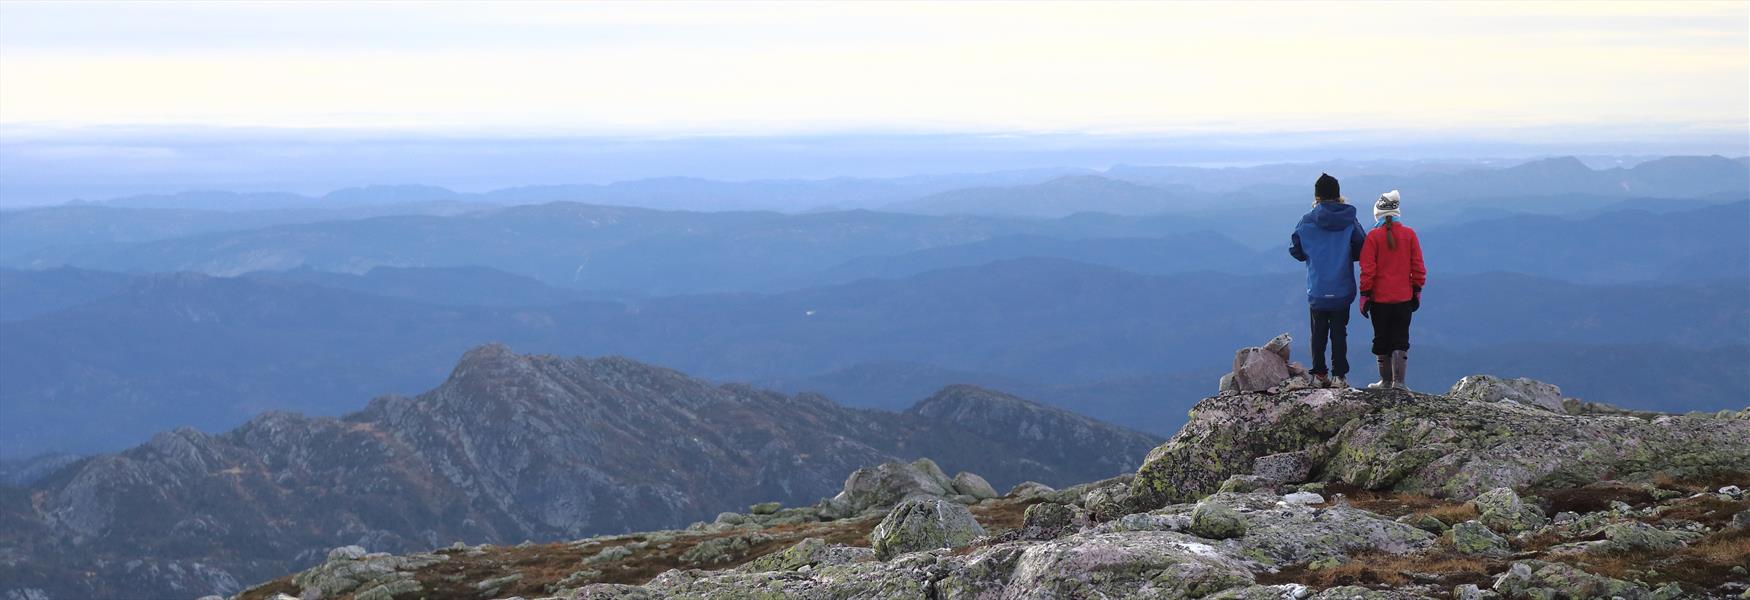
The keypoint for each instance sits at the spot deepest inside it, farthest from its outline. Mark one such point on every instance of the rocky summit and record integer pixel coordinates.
(1499, 489)
(510, 448)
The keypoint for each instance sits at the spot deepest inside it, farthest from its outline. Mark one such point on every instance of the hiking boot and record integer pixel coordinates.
(1385, 375)
(1319, 380)
(1340, 382)
(1399, 361)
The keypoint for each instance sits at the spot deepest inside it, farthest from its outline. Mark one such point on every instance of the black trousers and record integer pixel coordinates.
(1330, 325)
(1391, 327)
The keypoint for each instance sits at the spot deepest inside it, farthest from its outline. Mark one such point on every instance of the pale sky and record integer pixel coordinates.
(1524, 70)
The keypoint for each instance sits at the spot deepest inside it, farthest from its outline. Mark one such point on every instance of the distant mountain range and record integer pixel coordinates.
(510, 448)
(668, 252)
(189, 349)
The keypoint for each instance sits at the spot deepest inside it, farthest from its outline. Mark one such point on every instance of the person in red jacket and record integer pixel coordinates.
(1391, 288)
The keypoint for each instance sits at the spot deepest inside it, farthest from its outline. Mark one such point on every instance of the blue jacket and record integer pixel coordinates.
(1328, 239)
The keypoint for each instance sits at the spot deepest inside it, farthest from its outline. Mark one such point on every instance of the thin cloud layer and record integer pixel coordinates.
(1511, 70)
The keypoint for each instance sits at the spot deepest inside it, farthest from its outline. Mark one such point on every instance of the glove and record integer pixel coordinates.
(1366, 308)
(1415, 298)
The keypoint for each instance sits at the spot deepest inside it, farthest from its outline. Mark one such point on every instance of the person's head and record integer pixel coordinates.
(1386, 206)
(1326, 189)
(1386, 211)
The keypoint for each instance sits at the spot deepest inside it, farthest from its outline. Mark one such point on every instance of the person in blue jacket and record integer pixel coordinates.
(1329, 241)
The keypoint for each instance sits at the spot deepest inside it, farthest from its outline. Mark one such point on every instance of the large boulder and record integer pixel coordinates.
(923, 523)
(973, 485)
(1437, 445)
(884, 485)
(1489, 388)
(1258, 369)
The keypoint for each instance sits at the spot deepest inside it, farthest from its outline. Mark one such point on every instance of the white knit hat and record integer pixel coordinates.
(1386, 206)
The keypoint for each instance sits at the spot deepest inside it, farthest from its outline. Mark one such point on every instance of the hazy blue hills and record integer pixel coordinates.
(189, 349)
(25, 294)
(1056, 198)
(96, 229)
(447, 286)
(664, 252)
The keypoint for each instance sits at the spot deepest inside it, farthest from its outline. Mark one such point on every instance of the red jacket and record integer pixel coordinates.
(1392, 274)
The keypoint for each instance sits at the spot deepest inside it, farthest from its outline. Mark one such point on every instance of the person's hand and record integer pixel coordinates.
(1365, 308)
(1415, 298)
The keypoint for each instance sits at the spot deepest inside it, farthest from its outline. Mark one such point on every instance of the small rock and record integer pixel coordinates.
(346, 553)
(1423, 522)
(1472, 592)
(1226, 384)
(1303, 498)
(730, 518)
(765, 508)
(1279, 345)
(1216, 521)
(1029, 489)
(1732, 490)
(611, 553)
(1473, 538)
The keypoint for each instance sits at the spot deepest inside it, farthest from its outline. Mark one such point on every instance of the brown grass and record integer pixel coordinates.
(1707, 563)
(542, 565)
(1375, 569)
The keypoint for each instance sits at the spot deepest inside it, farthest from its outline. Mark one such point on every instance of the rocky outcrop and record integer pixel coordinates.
(1439, 445)
(1529, 392)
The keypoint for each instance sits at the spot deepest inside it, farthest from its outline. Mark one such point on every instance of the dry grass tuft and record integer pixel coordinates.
(1452, 513)
(1375, 569)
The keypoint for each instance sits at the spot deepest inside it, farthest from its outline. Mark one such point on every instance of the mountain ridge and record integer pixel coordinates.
(510, 447)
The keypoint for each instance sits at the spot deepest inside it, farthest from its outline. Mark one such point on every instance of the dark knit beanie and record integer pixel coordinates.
(1326, 188)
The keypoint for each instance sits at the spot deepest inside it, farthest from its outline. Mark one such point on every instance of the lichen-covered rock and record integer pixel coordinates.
(1635, 535)
(1225, 434)
(721, 550)
(1240, 484)
(1029, 489)
(1473, 538)
(1528, 579)
(810, 552)
(884, 485)
(765, 508)
(972, 485)
(1144, 564)
(923, 523)
(609, 554)
(1353, 592)
(1489, 388)
(1285, 467)
(350, 570)
(1437, 445)
(1502, 510)
(1216, 521)
(1289, 591)
(1053, 518)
